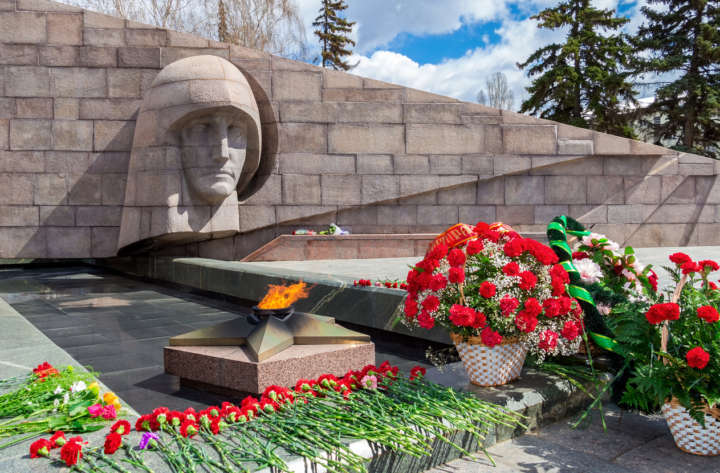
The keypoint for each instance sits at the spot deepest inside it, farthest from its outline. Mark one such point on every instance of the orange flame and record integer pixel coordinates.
(280, 297)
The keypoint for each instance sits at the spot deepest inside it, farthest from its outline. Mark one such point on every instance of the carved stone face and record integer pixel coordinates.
(213, 153)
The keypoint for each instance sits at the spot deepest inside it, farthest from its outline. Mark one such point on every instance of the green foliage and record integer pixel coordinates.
(332, 31)
(583, 81)
(682, 39)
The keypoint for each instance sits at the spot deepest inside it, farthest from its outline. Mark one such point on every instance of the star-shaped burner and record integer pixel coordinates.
(266, 332)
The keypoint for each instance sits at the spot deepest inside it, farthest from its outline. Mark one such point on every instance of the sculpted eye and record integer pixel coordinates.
(236, 137)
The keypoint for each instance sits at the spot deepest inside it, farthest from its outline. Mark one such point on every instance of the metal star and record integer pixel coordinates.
(271, 335)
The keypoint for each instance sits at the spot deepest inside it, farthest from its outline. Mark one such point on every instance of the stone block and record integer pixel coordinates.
(72, 135)
(437, 214)
(302, 138)
(708, 234)
(609, 144)
(307, 214)
(30, 134)
(7, 5)
(78, 82)
(19, 242)
(22, 161)
(524, 190)
(104, 242)
(567, 166)
(170, 55)
(707, 189)
(341, 112)
(46, 6)
(109, 109)
(566, 189)
(529, 139)
(683, 213)
(444, 139)
(269, 194)
(628, 166)
(65, 28)
(59, 56)
(23, 27)
(146, 37)
(93, 56)
(374, 164)
(296, 85)
(677, 190)
(177, 38)
(637, 213)
(67, 109)
(505, 164)
(588, 214)
(19, 216)
(300, 189)
(4, 134)
(85, 189)
(68, 242)
(7, 108)
(704, 169)
(568, 132)
(57, 215)
(16, 189)
(491, 191)
(479, 164)
(98, 20)
(575, 147)
(409, 164)
(365, 215)
(642, 190)
(98, 216)
(377, 188)
(433, 113)
(113, 135)
(113, 189)
(18, 54)
(446, 164)
(397, 214)
(27, 81)
(301, 163)
(515, 214)
(253, 217)
(606, 190)
(104, 37)
(338, 80)
(362, 95)
(341, 190)
(545, 213)
(139, 57)
(124, 83)
(472, 214)
(461, 195)
(638, 147)
(371, 139)
(34, 108)
(414, 95)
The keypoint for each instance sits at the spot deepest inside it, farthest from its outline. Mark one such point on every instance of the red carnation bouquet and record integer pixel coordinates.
(674, 344)
(498, 286)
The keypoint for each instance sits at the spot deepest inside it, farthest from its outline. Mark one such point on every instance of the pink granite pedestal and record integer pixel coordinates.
(229, 370)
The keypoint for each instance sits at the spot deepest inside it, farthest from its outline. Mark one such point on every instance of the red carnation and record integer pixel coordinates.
(712, 285)
(121, 427)
(708, 313)
(456, 275)
(697, 358)
(527, 280)
(40, 448)
(680, 258)
(487, 289)
(431, 303)
(578, 255)
(653, 280)
(438, 282)
(113, 441)
(548, 340)
(541, 252)
(708, 265)
(474, 247)
(560, 273)
(411, 307)
(417, 372)
(479, 320)
(490, 338)
(508, 304)
(570, 330)
(552, 307)
(189, 428)
(439, 252)
(511, 269)
(425, 320)
(58, 439)
(456, 257)
(461, 315)
(533, 306)
(526, 321)
(515, 247)
(71, 452)
(565, 304)
(690, 267)
(661, 312)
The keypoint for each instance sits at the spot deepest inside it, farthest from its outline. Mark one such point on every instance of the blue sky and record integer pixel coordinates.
(450, 47)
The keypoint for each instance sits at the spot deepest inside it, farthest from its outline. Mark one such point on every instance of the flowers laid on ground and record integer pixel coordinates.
(674, 343)
(388, 283)
(377, 403)
(50, 399)
(496, 285)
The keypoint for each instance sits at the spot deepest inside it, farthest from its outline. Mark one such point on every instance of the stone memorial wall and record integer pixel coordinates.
(370, 156)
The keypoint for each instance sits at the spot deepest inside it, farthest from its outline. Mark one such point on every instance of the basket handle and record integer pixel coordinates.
(665, 330)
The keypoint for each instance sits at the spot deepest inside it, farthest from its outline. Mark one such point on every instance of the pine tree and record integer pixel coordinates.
(223, 35)
(332, 32)
(583, 81)
(682, 40)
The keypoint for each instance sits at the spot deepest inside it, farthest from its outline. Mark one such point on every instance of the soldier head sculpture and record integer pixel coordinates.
(196, 152)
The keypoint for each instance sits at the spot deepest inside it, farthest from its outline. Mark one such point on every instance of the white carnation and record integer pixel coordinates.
(590, 272)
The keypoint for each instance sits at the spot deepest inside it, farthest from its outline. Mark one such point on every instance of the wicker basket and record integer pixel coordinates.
(490, 366)
(689, 435)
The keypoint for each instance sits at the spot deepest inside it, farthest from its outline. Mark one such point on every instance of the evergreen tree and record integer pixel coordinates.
(223, 34)
(583, 81)
(332, 32)
(682, 40)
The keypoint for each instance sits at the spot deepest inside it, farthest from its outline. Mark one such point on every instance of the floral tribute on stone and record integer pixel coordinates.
(499, 287)
(316, 419)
